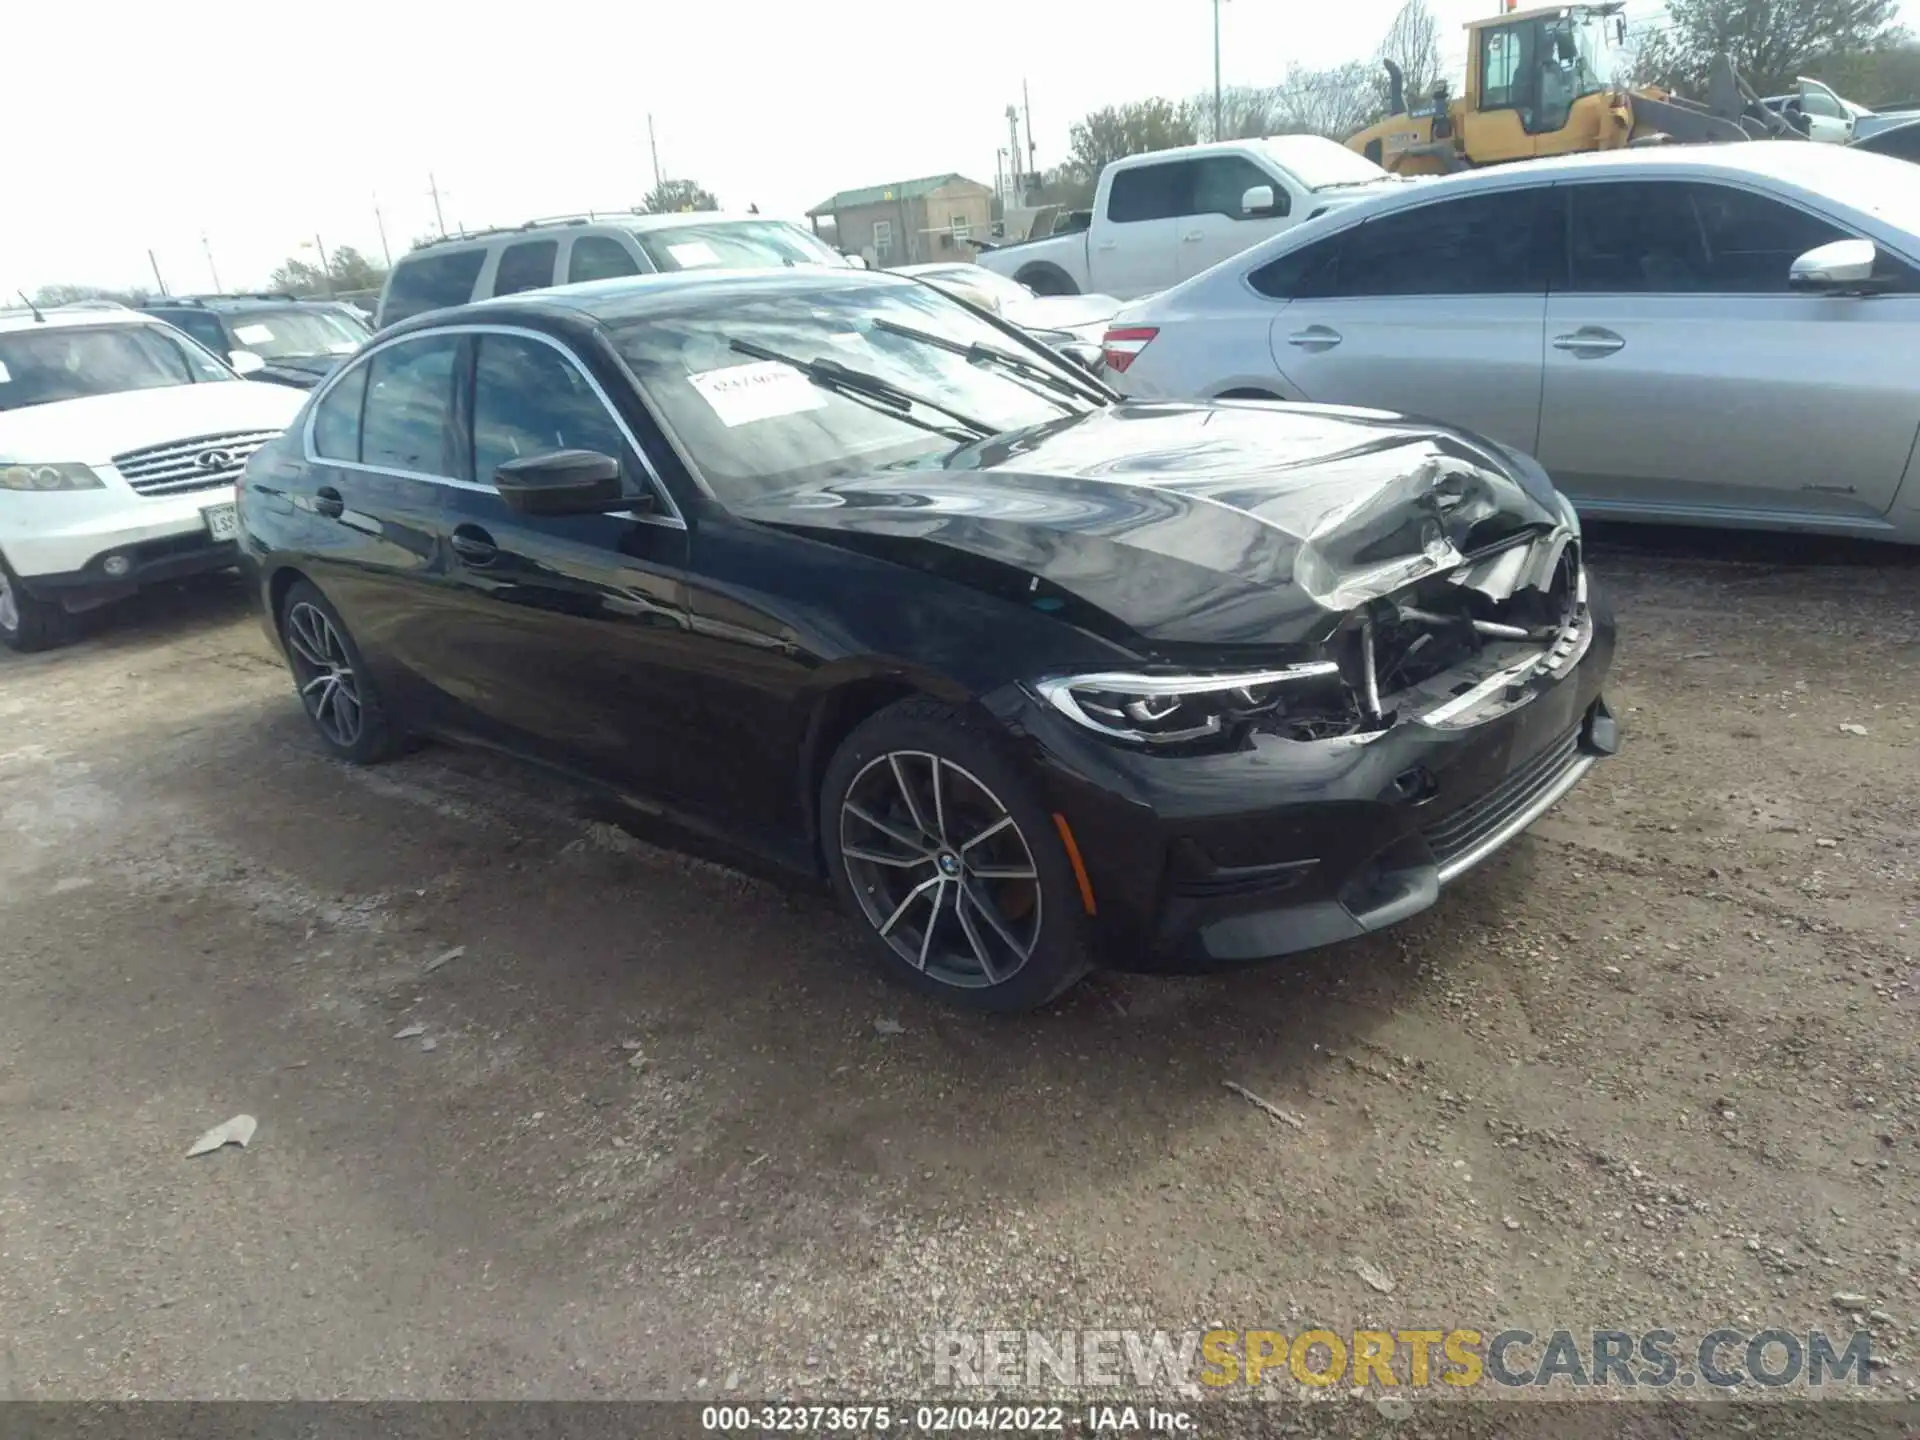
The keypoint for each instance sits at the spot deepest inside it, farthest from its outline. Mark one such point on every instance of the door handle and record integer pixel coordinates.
(474, 546)
(327, 502)
(1108, 245)
(1589, 342)
(1315, 338)
(1192, 235)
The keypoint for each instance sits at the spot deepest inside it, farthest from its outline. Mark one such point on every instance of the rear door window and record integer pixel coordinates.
(409, 402)
(599, 257)
(336, 420)
(526, 266)
(1489, 244)
(431, 281)
(1151, 192)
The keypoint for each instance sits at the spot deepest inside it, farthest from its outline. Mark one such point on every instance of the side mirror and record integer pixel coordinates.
(857, 261)
(245, 362)
(1258, 200)
(563, 482)
(1835, 269)
(1083, 353)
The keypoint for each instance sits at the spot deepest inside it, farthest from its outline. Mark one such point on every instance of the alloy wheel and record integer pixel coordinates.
(324, 672)
(940, 868)
(9, 605)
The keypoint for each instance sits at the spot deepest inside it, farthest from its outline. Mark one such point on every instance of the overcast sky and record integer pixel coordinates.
(262, 125)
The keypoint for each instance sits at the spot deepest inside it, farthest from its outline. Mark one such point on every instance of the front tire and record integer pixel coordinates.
(936, 842)
(27, 623)
(333, 682)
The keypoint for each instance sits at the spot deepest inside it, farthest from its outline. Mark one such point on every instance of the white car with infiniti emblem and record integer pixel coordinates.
(120, 443)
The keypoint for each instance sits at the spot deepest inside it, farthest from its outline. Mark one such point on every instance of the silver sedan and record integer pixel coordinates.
(1716, 335)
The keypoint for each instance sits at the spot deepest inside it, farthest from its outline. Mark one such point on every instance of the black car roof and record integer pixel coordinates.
(637, 296)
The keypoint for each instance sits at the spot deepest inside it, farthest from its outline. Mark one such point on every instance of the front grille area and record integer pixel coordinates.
(1456, 834)
(206, 462)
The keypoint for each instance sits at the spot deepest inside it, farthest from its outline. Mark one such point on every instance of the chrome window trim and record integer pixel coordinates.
(671, 518)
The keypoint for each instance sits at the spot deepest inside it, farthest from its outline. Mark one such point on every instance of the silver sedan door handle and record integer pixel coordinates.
(1315, 338)
(1192, 235)
(1589, 342)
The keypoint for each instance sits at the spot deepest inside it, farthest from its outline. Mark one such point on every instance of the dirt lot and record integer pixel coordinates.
(1655, 1065)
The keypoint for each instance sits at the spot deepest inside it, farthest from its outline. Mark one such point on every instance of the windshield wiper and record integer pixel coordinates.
(1014, 367)
(863, 385)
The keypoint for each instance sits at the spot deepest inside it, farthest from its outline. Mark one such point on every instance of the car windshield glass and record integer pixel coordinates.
(276, 333)
(756, 426)
(1321, 164)
(66, 362)
(734, 245)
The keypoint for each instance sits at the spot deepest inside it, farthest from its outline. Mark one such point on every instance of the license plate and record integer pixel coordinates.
(222, 522)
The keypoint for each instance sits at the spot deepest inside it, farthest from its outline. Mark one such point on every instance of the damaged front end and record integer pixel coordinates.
(1450, 650)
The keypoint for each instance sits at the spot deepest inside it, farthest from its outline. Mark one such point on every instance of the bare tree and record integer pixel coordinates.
(1118, 131)
(1413, 43)
(1334, 102)
(1771, 43)
(1246, 112)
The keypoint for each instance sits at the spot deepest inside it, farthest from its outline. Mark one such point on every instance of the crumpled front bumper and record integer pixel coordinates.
(1203, 861)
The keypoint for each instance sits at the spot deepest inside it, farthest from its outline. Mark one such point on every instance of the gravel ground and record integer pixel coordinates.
(661, 1133)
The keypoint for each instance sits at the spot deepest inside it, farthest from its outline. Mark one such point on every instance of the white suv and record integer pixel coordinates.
(575, 249)
(120, 442)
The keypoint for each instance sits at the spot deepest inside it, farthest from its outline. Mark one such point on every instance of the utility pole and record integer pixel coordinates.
(1016, 191)
(157, 278)
(1026, 102)
(212, 269)
(1216, 69)
(433, 189)
(380, 222)
(326, 266)
(654, 145)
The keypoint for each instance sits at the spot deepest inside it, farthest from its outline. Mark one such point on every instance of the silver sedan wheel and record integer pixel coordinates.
(940, 869)
(324, 672)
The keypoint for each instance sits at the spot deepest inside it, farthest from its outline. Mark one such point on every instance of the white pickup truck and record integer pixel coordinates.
(1162, 217)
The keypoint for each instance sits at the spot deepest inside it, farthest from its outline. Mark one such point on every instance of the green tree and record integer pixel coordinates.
(671, 197)
(1887, 76)
(1772, 42)
(347, 267)
(1118, 131)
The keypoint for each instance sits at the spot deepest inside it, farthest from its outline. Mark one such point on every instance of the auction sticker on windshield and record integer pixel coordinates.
(689, 253)
(252, 334)
(222, 522)
(764, 390)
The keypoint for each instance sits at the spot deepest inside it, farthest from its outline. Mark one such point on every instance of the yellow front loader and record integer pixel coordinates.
(1542, 82)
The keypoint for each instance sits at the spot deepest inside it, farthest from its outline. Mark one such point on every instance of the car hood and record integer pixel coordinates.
(1214, 525)
(95, 428)
(304, 371)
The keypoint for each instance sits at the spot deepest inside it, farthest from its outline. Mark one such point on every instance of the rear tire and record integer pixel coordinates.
(27, 623)
(1048, 280)
(936, 842)
(335, 688)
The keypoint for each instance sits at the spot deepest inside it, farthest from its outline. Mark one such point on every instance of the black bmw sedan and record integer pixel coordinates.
(859, 582)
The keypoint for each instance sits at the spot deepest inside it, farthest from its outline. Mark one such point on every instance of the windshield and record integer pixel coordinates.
(734, 245)
(755, 426)
(66, 362)
(276, 333)
(1319, 164)
(1580, 54)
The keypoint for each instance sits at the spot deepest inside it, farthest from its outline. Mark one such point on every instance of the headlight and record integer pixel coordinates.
(48, 477)
(1175, 709)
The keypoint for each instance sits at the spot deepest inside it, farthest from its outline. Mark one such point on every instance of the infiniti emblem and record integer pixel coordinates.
(214, 459)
